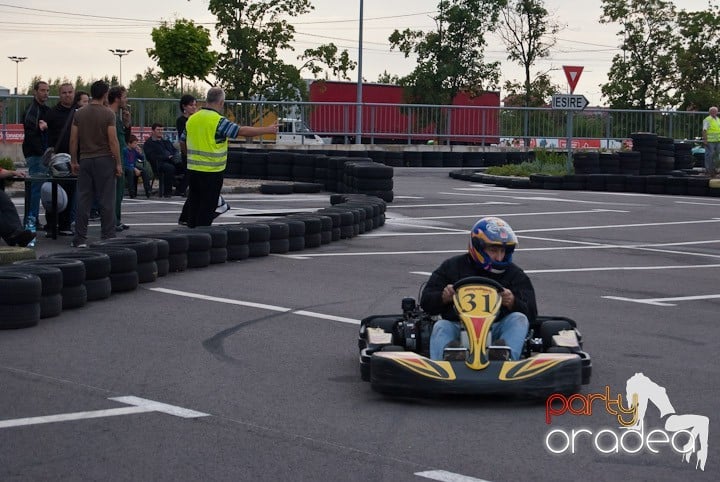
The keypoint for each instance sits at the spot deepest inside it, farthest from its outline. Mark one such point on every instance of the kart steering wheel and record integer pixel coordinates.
(473, 280)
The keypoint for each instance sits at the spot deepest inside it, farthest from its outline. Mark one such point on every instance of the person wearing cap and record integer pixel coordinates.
(490, 250)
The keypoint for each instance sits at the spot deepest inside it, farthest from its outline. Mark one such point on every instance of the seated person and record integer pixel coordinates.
(160, 153)
(492, 242)
(133, 167)
(11, 229)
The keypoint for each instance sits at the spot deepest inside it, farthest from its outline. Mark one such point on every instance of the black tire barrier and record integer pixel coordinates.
(177, 243)
(197, 240)
(163, 265)
(74, 297)
(257, 249)
(296, 243)
(218, 255)
(97, 264)
(178, 262)
(122, 259)
(254, 165)
(218, 236)
(123, 282)
(17, 288)
(280, 246)
(275, 188)
(237, 235)
(306, 187)
(51, 281)
(145, 248)
(19, 316)
(98, 289)
(147, 272)
(198, 259)
(238, 252)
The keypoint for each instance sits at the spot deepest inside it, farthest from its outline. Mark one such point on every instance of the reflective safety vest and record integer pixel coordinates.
(713, 130)
(204, 153)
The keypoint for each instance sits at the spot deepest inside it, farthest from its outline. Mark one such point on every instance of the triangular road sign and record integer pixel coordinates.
(572, 73)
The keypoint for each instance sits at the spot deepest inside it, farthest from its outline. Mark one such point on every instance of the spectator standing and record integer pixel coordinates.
(711, 139)
(34, 145)
(81, 99)
(160, 153)
(93, 140)
(188, 106)
(59, 119)
(117, 101)
(207, 133)
(133, 166)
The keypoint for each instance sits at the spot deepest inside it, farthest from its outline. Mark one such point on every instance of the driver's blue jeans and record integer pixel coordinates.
(35, 168)
(513, 328)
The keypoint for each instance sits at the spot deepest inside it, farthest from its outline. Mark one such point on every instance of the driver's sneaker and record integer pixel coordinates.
(499, 351)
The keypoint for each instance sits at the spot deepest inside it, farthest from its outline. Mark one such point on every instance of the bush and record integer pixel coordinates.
(7, 163)
(546, 162)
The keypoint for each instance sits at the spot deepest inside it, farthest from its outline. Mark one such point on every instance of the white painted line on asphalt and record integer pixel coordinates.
(541, 198)
(250, 304)
(698, 203)
(370, 253)
(444, 476)
(140, 405)
(662, 301)
(450, 205)
(616, 226)
(160, 407)
(409, 222)
(604, 268)
(408, 197)
(552, 213)
(227, 301)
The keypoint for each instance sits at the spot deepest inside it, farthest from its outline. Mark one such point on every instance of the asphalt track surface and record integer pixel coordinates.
(256, 361)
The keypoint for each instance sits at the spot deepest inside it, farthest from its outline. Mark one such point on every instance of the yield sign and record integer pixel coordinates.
(572, 73)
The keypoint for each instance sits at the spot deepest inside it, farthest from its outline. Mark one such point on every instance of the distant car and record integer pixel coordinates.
(394, 352)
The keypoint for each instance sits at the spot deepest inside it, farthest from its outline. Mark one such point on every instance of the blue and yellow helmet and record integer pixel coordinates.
(491, 231)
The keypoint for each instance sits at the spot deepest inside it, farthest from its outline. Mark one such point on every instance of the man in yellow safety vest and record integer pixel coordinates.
(206, 137)
(711, 140)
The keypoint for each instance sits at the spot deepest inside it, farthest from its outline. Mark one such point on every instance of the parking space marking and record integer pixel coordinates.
(662, 301)
(445, 476)
(139, 405)
(261, 306)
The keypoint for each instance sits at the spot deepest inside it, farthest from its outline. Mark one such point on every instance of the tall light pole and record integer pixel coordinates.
(358, 116)
(17, 61)
(120, 53)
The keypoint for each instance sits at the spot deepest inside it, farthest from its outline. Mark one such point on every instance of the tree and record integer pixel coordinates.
(254, 33)
(528, 35)
(182, 50)
(387, 78)
(450, 58)
(698, 52)
(537, 94)
(328, 55)
(644, 75)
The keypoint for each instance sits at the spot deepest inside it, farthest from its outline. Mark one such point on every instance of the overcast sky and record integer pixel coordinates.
(71, 38)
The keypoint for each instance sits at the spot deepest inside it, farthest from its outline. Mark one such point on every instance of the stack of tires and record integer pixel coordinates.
(413, 159)
(473, 159)
(335, 173)
(586, 162)
(665, 155)
(371, 178)
(394, 158)
(20, 295)
(609, 163)
(123, 267)
(97, 272)
(683, 156)
(495, 158)
(303, 169)
(199, 244)
(218, 243)
(280, 166)
(516, 157)
(51, 281)
(237, 242)
(177, 249)
(254, 165)
(146, 251)
(258, 239)
(629, 163)
(646, 143)
(74, 294)
(279, 236)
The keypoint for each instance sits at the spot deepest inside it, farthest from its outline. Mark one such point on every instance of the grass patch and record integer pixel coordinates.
(546, 162)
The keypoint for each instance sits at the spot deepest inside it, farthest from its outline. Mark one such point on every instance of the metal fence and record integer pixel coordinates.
(401, 123)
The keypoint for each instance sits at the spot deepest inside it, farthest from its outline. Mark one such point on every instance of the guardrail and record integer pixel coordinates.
(413, 124)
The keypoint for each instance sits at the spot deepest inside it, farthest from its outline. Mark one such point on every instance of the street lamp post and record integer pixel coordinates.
(17, 61)
(358, 116)
(120, 53)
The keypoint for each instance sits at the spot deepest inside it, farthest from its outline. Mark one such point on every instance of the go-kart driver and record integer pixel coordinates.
(490, 250)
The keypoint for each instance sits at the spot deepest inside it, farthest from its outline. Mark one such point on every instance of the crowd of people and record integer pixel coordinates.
(91, 132)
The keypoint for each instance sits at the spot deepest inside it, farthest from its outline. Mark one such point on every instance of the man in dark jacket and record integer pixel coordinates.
(161, 154)
(492, 242)
(59, 119)
(35, 142)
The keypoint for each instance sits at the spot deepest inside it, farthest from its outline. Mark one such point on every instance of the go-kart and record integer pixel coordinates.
(394, 351)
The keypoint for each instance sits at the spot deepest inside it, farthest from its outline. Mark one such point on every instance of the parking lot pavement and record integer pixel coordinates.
(265, 349)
